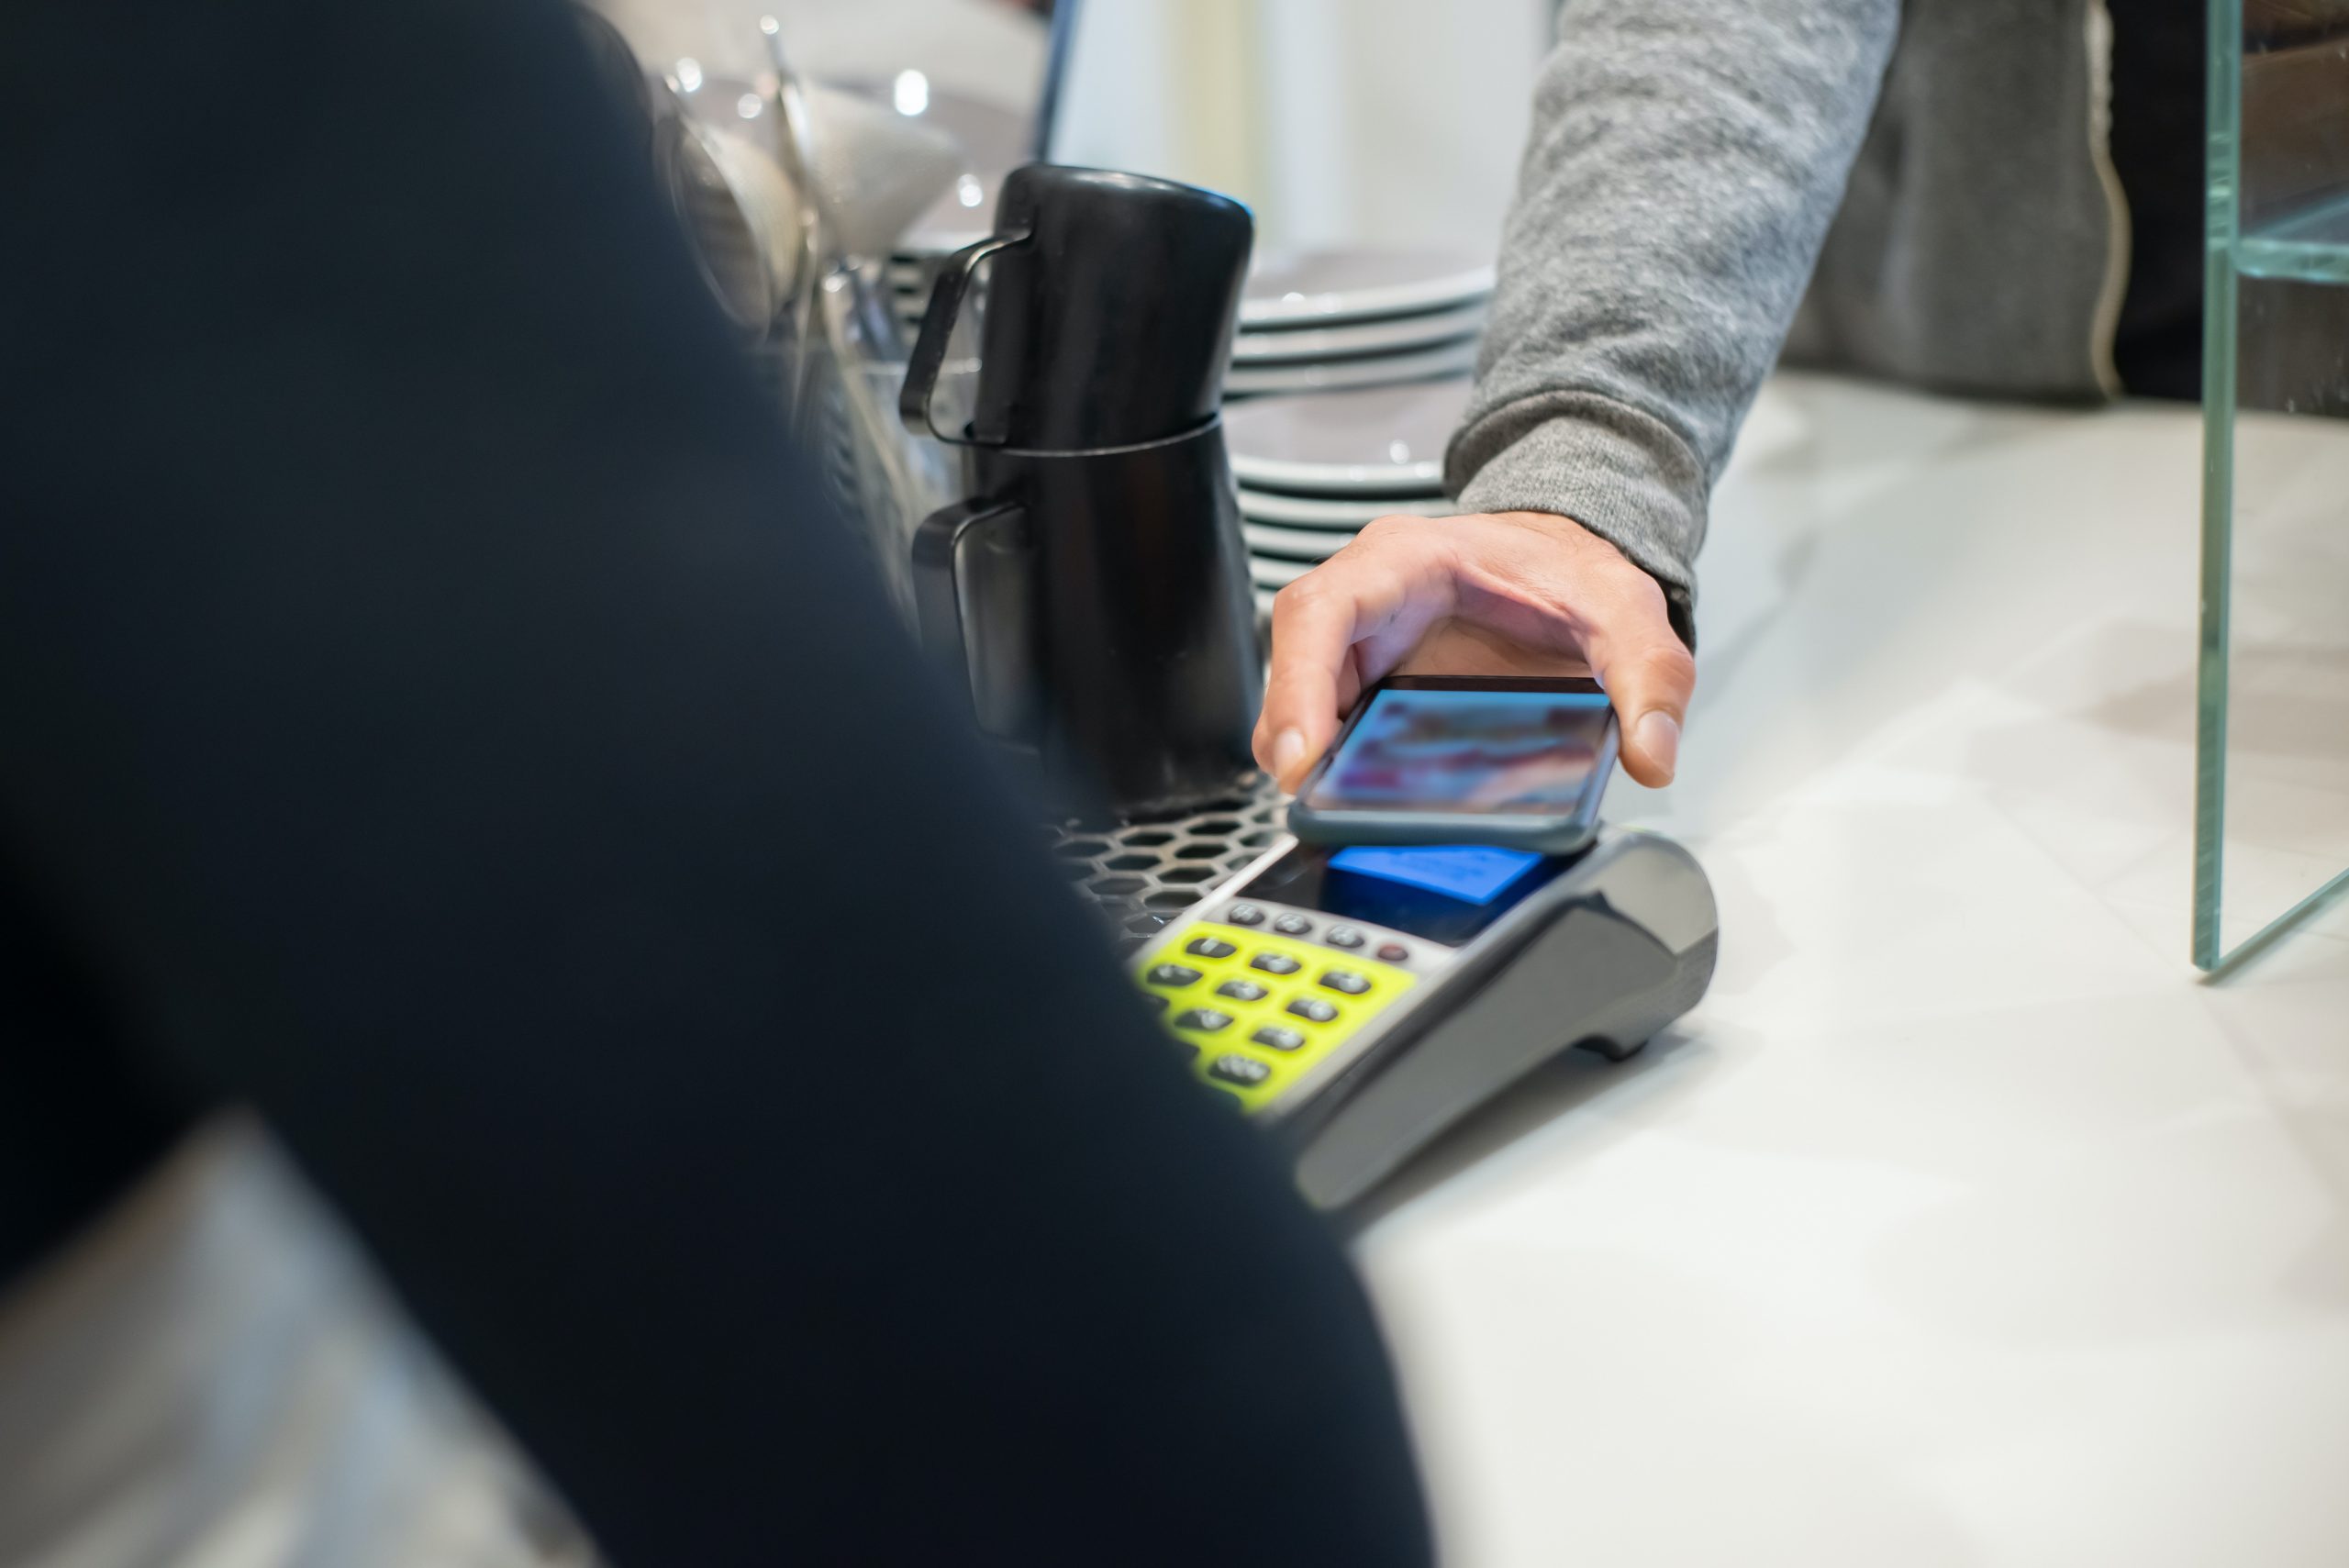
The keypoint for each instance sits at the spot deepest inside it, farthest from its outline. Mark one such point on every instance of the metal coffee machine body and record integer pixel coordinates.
(1092, 594)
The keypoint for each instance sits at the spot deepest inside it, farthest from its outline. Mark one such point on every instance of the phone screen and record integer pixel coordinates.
(1516, 753)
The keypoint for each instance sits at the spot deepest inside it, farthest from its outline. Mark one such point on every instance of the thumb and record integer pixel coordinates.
(1648, 675)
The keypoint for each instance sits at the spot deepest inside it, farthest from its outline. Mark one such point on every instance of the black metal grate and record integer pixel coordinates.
(1144, 874)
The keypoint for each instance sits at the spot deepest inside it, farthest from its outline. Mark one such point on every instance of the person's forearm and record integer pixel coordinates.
(1685, 160)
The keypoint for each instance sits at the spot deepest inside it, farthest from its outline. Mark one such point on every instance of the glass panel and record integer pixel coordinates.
(2272, 826)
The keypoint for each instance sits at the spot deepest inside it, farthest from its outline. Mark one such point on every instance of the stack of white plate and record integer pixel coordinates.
(1318, 321)
(1315, 468)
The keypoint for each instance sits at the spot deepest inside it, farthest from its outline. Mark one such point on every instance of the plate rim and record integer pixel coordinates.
(1278, 566)
(1326, 541)
(1331, 306)
(1439, 363)
(1347, 516)
(1430, 330)
(1332, 480)
(1422, 478)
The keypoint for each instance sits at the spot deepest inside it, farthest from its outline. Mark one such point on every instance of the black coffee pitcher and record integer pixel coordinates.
(1092, 595)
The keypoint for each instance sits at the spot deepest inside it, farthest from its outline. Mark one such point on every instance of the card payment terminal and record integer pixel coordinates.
(1358, 1001)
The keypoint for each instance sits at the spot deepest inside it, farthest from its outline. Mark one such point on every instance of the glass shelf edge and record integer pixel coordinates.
(2221, 966)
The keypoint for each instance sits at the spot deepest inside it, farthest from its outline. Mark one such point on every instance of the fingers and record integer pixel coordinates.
(1342, 627)
(1551, 585)
(1312, 653)
(1517, 593)
(1648, 673)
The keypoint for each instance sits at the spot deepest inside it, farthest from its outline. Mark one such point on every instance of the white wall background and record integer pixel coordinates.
(1380, 121)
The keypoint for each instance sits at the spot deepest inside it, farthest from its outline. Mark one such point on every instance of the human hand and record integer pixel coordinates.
(1501, 593)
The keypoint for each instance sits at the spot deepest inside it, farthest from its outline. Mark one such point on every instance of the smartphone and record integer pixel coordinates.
(1521, 762)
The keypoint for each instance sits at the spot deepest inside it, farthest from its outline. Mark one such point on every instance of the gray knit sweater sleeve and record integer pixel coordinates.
(1685, 160)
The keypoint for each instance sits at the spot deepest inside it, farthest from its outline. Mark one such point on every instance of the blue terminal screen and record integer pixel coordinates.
(1475, 874)
(1445, 892)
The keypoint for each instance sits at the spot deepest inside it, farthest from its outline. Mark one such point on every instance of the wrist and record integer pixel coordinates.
(1590, 553)
(1568, 534)
(1617, 473)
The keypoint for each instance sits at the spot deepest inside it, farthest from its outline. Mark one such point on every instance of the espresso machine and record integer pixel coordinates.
(1091, 598)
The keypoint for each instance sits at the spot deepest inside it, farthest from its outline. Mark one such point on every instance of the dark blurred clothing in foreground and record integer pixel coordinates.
(434, 717)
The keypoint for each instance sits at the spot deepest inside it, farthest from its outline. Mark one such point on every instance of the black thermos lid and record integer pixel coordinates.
(1111, 324)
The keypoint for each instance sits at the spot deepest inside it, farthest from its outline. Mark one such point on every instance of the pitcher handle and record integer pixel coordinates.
(938, 591)
(929, 355)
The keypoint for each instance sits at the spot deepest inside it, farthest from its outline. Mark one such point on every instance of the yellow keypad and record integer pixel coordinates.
(1262, 1010)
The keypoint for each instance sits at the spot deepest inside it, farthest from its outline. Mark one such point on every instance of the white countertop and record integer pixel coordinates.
(1962, 1223)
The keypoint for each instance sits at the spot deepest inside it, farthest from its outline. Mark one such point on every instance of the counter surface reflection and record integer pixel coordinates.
(1960, 1223)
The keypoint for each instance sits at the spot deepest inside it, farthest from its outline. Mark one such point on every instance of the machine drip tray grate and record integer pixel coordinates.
(1144, 874)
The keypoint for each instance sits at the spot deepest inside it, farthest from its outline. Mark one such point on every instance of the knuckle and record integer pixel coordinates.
(1300, 593)
(1389, 529)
